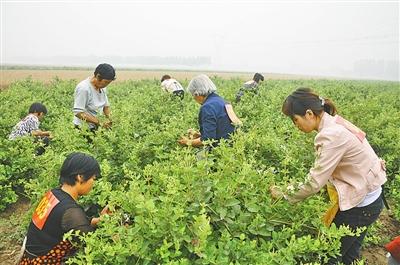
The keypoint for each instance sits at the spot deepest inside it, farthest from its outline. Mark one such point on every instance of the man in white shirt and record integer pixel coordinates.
(91, 96)
(251, 85)
(172, 86)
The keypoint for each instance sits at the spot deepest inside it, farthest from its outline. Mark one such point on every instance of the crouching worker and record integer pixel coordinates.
(250, 86)
(29, 126)
(172, 86)
(216, 118)
(58, 212)
(345, 162)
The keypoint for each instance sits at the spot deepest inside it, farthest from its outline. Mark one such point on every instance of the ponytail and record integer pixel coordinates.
(329, 107)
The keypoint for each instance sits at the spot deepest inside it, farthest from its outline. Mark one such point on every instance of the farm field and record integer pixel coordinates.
(8, 76)
(184, 211)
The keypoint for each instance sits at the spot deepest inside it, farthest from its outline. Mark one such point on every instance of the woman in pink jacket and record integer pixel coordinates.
(344, 161)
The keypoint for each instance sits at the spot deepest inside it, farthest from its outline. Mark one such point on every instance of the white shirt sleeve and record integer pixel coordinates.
(81, 99)
(164, 85)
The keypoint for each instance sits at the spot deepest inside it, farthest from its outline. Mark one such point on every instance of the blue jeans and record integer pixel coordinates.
(356, 217)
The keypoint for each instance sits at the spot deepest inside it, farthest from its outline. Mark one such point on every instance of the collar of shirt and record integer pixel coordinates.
(209, 97)
(32, 116)
(325, 121)
(93, 87)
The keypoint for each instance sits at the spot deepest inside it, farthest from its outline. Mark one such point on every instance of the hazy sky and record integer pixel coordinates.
(314, 37)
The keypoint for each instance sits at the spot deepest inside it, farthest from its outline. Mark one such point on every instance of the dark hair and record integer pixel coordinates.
(78, 164)
(165, 77)
(303, 99)
(257, 77)
(37, 108)
(105, 71)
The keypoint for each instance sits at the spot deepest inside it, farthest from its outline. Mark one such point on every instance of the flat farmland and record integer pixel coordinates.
(8, 76)
(181, 210)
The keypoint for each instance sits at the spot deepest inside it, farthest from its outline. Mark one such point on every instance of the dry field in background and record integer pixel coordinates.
(9, 76)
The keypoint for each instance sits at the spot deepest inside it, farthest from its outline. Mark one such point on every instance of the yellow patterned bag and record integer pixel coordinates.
(331, 212)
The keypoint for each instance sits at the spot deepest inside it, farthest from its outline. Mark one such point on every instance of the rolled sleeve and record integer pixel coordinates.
(81, 98)
(330, 148)
(208, 124)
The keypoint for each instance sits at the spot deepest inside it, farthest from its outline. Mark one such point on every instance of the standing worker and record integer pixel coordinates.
(345, 162)
(91, 96)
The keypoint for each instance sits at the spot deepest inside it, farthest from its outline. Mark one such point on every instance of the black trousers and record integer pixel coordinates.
(356, 217)
(88, 137)
(179, 93)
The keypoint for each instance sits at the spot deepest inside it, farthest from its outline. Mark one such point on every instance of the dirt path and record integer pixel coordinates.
(376, 255)
(11, 231)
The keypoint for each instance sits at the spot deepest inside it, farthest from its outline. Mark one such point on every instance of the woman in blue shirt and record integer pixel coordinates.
(216, 118)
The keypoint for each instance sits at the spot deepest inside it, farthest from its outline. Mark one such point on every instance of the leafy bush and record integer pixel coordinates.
(214, 211)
